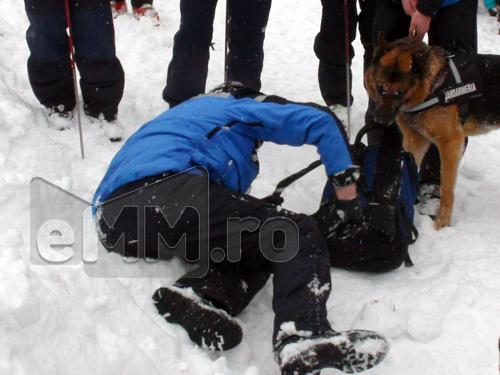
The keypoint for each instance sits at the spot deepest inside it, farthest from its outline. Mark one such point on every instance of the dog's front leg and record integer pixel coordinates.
(450, 151)
(414, 143)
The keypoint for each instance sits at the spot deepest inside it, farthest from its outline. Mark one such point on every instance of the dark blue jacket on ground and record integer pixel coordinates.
(221, 133)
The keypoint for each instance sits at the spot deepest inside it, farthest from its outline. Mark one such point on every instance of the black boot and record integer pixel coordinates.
(209, 327)
(351, 352)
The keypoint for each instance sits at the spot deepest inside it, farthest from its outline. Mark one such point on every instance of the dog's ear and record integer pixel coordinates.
(382, 47)
(420, 61)
(383, 44)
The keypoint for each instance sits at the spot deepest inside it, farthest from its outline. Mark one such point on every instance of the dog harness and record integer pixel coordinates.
(452, 91)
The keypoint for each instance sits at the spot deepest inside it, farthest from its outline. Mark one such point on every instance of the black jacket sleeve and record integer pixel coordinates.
(429, 7)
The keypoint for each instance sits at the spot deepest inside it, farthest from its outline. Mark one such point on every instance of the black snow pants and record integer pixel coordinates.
(49, 65)
(188, 69)
(330, 45)
(455, 29)
(288, 245)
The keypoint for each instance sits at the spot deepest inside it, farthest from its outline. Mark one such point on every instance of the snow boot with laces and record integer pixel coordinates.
(350, 351)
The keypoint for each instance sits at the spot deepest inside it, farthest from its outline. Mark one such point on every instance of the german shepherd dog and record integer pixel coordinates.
(402, 75)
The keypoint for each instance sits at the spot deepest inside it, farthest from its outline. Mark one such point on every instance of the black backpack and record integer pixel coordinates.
(388, 189)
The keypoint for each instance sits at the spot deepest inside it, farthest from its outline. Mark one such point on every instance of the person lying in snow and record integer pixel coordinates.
(202, 154)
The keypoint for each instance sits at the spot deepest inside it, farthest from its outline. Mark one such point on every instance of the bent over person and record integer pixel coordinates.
(202, 154)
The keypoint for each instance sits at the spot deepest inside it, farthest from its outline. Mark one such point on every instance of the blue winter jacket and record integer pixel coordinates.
(221, 134)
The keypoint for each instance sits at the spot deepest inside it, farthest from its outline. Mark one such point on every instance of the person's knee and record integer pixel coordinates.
(310, 235)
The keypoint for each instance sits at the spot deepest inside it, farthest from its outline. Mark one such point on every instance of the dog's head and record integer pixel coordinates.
(395, 75)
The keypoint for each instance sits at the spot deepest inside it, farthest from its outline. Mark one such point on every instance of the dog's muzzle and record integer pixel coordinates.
(385, 118)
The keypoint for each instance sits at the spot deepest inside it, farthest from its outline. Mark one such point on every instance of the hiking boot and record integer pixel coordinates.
(341, 113)
(148, 11)
(112, 128)
(208, 326)
(492, 12)
(350, 351)
(60, 119)
(118, 8)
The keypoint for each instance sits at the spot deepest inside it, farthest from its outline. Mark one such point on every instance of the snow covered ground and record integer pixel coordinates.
(442, 315)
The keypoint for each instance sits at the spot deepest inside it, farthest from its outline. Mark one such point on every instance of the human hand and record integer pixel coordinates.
(410, 6)
(341, 218)
(419, 25)
(346, 219)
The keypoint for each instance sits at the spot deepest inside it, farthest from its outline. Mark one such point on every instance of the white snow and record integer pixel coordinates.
(379, 316)
(288, 329)
(57, 320)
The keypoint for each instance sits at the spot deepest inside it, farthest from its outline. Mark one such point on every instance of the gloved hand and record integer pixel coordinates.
(341, 218)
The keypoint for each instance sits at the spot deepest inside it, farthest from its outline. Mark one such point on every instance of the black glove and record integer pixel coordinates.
(339, 218)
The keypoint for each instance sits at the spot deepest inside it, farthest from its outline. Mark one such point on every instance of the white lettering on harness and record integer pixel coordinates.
(459, 91)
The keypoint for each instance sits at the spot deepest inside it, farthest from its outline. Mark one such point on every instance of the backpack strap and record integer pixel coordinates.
(275, 197)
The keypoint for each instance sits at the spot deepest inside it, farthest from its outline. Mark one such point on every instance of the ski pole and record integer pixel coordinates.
(226, 41)
(347, 67)
(75, 84)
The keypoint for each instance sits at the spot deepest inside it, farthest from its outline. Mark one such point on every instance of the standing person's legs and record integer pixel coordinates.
(330, 48)
(188, 69)
(246, 33)
(366, 17)
(455, 29)
(102, 77)
(49, 65)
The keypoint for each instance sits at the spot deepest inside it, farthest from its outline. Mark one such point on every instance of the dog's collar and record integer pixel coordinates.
(455, 91)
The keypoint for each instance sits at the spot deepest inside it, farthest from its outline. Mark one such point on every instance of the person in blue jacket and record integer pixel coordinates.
(187, 173)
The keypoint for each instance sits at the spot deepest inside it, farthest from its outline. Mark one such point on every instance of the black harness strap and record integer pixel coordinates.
(452, 91)
(275, 197)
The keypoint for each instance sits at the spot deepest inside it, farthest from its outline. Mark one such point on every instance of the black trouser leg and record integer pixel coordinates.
(228, 286)
(301, 285)
(102, 78)
(49, 65)
(247, 25)
(188, 69)
(330, 48)
(366, 16)
(455, 29)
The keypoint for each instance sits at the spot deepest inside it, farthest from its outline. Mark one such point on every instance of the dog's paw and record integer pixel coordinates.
(442, 220)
